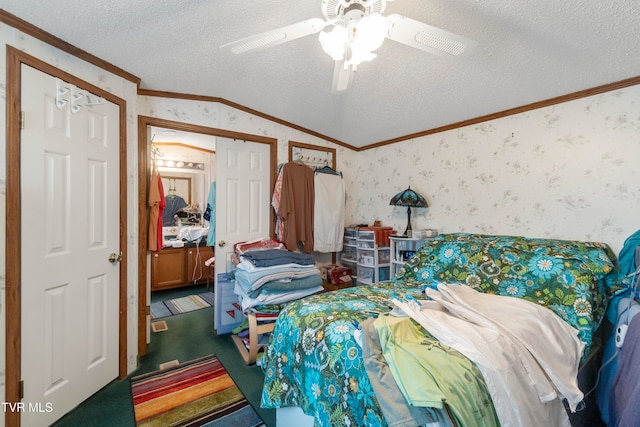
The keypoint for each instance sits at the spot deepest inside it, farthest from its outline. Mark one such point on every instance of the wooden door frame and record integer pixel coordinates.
(144, 177)
(15, 58)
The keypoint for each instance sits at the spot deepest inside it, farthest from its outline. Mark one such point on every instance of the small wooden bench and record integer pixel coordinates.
(259, 324)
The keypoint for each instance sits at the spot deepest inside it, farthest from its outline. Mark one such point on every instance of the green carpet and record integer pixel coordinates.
(189, 336)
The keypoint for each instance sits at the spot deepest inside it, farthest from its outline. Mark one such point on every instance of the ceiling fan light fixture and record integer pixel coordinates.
(371, 32)
(353, 30)
(333, 42)
(358, 56)
(356, 42)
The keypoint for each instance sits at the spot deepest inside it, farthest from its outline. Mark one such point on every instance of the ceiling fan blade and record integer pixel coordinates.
(342, 77)
(427, 38)
(277, 36)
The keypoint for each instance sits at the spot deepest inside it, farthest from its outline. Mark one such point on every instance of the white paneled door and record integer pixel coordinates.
(70, 227)
(243, 200)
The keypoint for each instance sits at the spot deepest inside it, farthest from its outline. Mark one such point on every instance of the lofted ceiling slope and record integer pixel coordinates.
(528, 51)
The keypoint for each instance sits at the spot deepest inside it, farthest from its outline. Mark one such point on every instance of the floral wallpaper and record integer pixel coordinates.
(568, 171)
(215, 115)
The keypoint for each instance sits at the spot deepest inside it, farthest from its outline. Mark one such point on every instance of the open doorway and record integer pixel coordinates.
(181, 267)
(145, 128)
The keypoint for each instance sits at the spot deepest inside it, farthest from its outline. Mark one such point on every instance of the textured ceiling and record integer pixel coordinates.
(528, 51)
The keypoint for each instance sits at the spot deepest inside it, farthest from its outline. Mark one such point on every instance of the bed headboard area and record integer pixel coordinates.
(572, 278)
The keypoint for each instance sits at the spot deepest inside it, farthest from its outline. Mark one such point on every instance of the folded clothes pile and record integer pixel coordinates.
(275, 276)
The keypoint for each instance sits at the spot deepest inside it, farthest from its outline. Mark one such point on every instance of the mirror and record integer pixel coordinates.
(177, 194)
(186, 163)
(177, 186)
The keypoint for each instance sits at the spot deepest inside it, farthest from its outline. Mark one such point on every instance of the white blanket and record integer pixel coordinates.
(545, 336)
(515, 364)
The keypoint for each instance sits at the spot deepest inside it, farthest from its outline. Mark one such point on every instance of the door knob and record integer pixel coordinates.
(114, 257)
(221, 243)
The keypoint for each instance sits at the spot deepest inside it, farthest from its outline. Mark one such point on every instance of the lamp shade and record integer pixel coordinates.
(409, 198)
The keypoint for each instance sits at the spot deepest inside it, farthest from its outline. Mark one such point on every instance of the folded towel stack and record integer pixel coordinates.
(275, 276)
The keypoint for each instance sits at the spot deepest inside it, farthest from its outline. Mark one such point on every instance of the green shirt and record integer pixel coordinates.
(430, 373)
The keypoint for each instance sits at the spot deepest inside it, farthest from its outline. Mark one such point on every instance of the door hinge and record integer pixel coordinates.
(21, 389)
(21, 120)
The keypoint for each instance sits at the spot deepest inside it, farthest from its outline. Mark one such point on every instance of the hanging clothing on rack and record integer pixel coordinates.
(275, 203)
(296, 206)
(329, 207)
(157, 204)
(327, 170)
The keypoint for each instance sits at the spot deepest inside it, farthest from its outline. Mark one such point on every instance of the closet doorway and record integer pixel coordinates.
(149, 133)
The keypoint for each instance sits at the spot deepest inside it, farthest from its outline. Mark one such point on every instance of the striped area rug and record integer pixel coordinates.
(196, 393)
(182, 305)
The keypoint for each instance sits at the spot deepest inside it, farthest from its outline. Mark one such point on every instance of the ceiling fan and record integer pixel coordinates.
(358, 29)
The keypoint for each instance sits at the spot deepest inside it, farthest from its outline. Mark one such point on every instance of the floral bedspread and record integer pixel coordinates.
(313, 360)
(574, 279)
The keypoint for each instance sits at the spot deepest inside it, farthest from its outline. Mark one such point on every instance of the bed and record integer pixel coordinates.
(315, 359)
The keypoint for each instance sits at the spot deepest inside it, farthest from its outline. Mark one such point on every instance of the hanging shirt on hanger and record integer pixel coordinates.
(174, 204)
(296, 207)
(157, 204)
(275, 203)
(328, 217)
